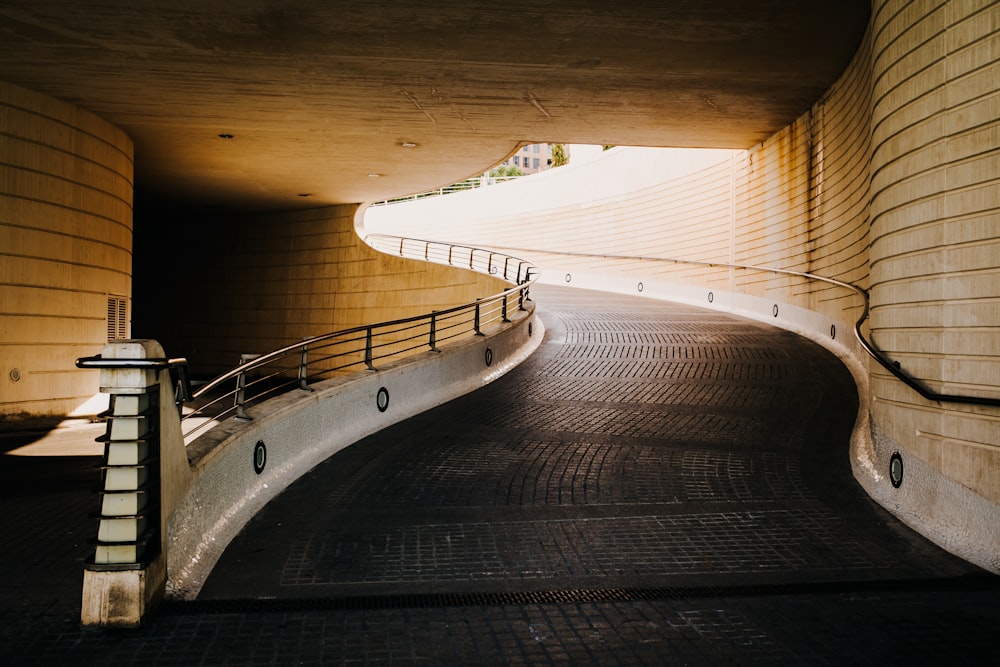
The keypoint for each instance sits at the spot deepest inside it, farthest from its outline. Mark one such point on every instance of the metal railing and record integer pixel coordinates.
(297, 365)
(894, 367)
(461, 186)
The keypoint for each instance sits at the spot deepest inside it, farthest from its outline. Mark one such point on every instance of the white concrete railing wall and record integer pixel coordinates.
(300, 429)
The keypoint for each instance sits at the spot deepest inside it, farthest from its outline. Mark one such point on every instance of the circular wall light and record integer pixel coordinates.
(711, 297)
(640, 287)
(382, 399)
(259, 457)
(569, 277)
(489, 356)
(14, 375)
(774, 310)
(833, 331)
(896, 470)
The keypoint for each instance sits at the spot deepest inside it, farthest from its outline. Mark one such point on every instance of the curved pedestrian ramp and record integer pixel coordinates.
(658, 483)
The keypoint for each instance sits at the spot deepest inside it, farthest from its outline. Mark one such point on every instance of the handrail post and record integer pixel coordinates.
(522, 294)
(504, 310)
(240, 398)
(368, 349)
(304, 369)
(182, 387)
(506, 262)
(475, 324)
(489, 264)
(401, 247)
(451, 249)
(433, 337)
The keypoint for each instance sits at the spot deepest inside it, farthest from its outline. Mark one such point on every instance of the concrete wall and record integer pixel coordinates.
(301, 429)
(65, 249)
(935, 258)
(891, 181)
(254, 283)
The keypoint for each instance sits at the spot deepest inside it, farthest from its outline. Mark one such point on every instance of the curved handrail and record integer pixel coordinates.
(869, 346)
(368, 343)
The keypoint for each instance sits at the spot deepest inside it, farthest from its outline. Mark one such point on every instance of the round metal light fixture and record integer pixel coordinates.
(259, 457)
(382, 399)
(896, 470)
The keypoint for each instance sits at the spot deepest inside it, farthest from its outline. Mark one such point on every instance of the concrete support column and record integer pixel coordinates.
(65, 251)
(126, 577)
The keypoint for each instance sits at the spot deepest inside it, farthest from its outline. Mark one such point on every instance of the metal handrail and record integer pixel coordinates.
(362, 346)
(178, 368)
(869, 346)
(461, 186)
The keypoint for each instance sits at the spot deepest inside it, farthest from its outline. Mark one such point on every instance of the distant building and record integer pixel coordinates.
(532, 158)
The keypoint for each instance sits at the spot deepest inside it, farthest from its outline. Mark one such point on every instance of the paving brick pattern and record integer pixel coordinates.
(657, 485)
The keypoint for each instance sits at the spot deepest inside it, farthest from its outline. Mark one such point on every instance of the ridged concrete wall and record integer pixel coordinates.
(935, 250)
(65, 248)
(891, 181)
(259, 282)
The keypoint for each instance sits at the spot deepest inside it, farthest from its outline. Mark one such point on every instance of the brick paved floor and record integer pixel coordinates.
(657, 485)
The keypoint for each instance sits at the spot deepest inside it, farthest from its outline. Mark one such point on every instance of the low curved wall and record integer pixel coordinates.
(301, 429)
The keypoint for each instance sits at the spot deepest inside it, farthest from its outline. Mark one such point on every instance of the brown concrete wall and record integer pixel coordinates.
(254, 283)
(65, 248)
(936, 232)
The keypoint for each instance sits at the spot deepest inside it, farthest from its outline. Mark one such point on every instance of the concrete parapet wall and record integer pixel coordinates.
(65, 249)
(300, 429)
(935, 266)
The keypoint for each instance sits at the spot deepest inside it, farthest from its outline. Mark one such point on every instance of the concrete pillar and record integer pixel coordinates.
(126, 577)
(65, 250)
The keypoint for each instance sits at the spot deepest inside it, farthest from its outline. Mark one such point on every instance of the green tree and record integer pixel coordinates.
(506, 170)
(559, 155)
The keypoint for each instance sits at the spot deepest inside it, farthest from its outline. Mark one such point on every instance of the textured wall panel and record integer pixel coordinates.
(65, 246)
(936, 230)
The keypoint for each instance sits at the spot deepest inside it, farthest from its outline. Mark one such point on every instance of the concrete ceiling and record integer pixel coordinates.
(318, 95)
